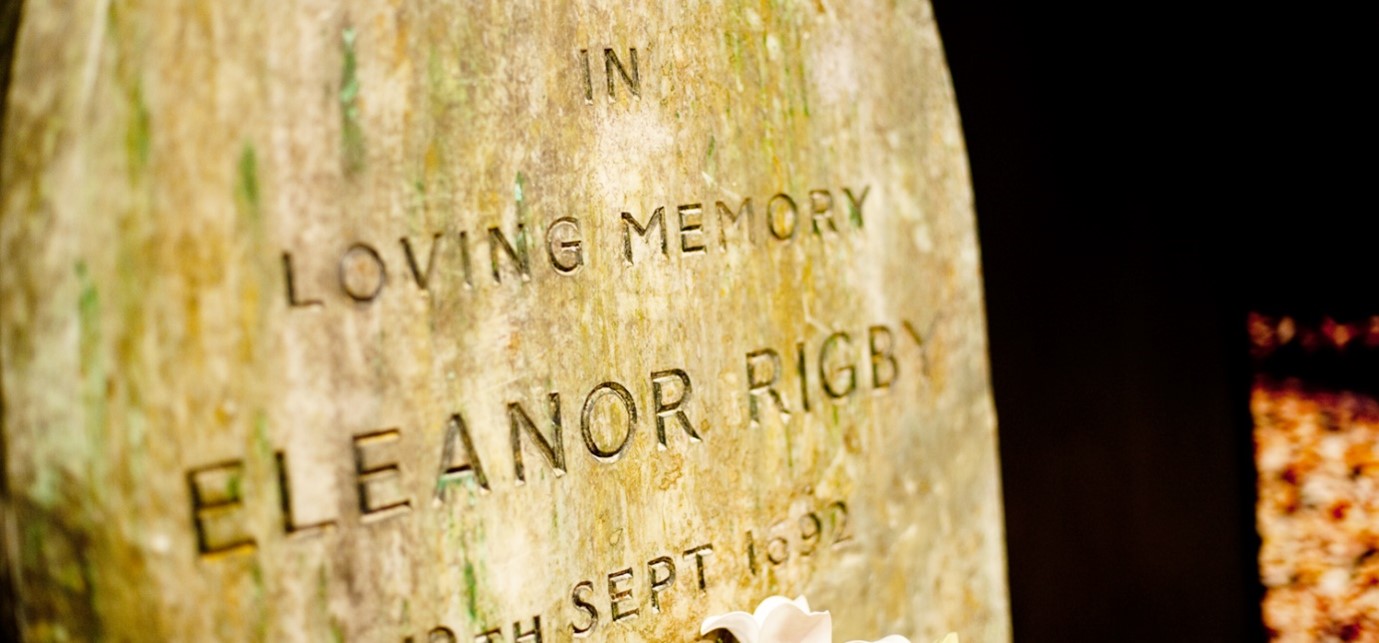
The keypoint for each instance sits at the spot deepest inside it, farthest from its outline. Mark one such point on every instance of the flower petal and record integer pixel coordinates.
(787, 623)
(741, 625)
(770, 603)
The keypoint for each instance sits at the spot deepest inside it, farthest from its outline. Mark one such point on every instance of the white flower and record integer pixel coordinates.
(781, 620)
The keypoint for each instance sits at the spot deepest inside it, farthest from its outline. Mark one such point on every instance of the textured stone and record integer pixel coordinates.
(249, 250)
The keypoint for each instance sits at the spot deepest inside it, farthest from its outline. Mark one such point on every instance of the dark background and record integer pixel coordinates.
(1145, 175)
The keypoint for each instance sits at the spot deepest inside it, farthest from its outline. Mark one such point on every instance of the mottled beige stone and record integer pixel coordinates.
(163, 158)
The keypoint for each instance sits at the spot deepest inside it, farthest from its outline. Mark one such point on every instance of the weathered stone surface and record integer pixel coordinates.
(249, 250)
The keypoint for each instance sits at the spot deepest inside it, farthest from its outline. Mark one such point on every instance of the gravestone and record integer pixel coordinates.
(502, 321)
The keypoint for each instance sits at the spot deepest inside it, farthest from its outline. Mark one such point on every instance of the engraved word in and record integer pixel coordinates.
(613, 69)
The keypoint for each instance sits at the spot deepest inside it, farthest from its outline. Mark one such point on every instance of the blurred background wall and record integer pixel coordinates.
(1146, 175)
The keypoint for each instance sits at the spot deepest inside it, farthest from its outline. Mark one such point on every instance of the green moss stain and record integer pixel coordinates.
(736, 59)
(352, 134)
(125, 45)
(88, 315)
(322, 602)
(32, 550)
(263, 447)
(322, 586)
(247, 182)
(260, 601)
(93, 366)
(233, 489)
(471, 591)
(465, 483)
(137, 132)
(435, 72)
(446, 88)
(480, 611)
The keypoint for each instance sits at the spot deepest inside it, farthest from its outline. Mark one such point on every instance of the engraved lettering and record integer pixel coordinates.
(832, 387)
(691, 232)
(777, 547)
(821, 209)
(919, 341)
(657, 220)
(618, 595)
(217, 500)
(788, 223)
(553, 450)
(292, 301)
(464, 260)
(839, 511)
(668, 408)
(534, 634)
(371, 476)
(758, 384)
(422, 277)
(498, 245)
(804, 376)
(633, 80)
(882, 347)
(662, 572)
(586, 420)
(585, 606)
(441, 635)
(811, 529)
(588, 77)
(451, 471)
(727, 218)
(699, 554)
(362, 273)
(751, 553)
(855, 204)
(660, 583)
(290, 526)
(564, 246)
